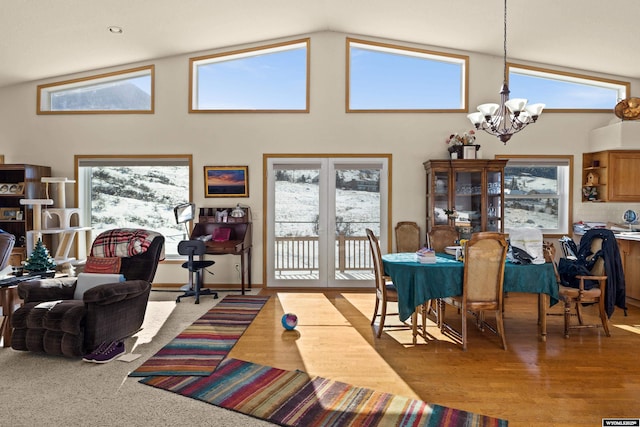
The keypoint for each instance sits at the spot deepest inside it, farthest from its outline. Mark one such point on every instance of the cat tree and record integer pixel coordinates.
(61, 223)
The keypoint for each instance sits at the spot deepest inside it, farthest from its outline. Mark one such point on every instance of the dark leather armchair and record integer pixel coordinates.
(107, 312)
(7, 241)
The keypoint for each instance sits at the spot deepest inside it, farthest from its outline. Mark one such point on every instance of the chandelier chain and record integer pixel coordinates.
(505, 43)
(510, 116)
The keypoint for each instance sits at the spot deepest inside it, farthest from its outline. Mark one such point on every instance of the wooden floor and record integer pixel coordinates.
(560, 382)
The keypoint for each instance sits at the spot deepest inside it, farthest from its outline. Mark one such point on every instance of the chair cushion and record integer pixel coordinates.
(87, 281)
(392, 292)
(102, 265)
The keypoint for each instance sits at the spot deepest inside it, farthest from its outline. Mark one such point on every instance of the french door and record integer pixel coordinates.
(317, 211)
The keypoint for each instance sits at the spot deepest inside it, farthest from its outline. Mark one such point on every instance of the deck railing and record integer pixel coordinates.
(300, 253)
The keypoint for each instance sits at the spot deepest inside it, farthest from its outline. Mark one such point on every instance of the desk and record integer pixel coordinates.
(237, 242)
(418, 283)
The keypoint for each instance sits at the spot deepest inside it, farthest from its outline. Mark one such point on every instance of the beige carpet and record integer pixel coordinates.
(37, 389)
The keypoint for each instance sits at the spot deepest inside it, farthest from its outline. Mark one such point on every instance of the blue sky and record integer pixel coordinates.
(275, 81)
(560, 94)
(379, 80)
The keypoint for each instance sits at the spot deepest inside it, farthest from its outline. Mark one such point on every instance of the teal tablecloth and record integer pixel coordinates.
(418, 283)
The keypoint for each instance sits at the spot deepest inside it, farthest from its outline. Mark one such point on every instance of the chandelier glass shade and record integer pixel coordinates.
(511, 115)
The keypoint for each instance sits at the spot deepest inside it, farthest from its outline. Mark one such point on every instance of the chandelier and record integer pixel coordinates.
(511, 115)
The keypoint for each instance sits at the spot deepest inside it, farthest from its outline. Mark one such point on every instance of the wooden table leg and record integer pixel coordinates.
(414, 325)
(543, 302)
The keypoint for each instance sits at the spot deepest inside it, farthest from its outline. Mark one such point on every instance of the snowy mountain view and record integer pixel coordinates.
(297, 202)
(140, 197)
(144, 197)
(525, 201)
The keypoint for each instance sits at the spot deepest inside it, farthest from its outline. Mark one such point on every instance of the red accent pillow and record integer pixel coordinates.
(102, 265)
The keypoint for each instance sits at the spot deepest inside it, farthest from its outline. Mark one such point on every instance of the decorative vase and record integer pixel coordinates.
(456, 149)
(459, 150)
(473, 154)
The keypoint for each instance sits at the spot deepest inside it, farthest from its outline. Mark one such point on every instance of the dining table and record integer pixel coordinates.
(418, 283)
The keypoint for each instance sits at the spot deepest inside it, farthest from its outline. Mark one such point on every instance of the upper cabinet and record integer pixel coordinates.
(466, 193)
(611, 176)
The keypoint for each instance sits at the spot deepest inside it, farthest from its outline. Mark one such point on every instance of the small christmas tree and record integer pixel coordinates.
(40, 261)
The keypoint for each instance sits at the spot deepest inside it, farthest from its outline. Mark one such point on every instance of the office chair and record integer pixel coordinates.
(191, 248)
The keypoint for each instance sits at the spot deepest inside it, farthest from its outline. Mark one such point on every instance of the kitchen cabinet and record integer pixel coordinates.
(471, 188)
(630, 255)
(611, 176)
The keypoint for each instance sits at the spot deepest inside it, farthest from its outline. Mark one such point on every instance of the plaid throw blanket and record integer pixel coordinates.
(122, 242)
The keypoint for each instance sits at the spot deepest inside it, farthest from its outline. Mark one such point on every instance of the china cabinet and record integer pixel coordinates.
(465, 193)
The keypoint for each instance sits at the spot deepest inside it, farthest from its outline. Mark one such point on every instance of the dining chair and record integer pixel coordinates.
(484, 263)
(385, 290)
(441, 236)
(597, 252)
(407, 236)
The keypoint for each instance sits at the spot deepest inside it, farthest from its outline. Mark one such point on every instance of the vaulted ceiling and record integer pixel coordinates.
(45, 38)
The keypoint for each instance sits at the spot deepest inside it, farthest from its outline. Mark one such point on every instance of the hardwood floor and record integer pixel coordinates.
(560, 382)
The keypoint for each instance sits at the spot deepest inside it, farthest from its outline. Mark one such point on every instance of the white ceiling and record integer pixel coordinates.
(45, 38)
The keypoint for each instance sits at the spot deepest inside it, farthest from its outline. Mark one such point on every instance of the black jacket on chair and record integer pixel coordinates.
(568, 269)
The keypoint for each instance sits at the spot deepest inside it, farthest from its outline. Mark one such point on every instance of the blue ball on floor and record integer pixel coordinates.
(289, 321)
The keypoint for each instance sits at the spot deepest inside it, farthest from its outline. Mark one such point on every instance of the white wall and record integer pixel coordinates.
(241, 139)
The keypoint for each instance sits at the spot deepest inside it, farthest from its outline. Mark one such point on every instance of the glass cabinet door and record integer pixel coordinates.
(468, 202)
(441, 197)
(471, 189)
(494, 200)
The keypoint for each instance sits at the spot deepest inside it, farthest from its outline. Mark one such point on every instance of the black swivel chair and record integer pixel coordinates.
(193, 248)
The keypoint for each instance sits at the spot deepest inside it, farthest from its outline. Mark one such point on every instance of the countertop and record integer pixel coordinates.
(622, 231)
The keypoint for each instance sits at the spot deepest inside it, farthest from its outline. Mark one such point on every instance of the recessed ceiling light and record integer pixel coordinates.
(115, 30)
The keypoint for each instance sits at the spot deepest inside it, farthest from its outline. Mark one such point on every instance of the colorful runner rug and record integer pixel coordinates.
(292, 398)
(202, 346)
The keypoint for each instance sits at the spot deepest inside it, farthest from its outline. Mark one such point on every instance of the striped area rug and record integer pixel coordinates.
(292, 398)
(202, 346)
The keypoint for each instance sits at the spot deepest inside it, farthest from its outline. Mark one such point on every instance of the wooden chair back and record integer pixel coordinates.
(441, 236)
(376, 256)
(549, 253)
(407, 236)
(573, 298)
(598, 267)
(484, 262)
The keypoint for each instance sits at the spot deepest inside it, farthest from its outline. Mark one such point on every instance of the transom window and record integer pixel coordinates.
(128, 91)
(267, 78)
(135, 192)
(389, 78)
(566, 92)
(537, 193)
